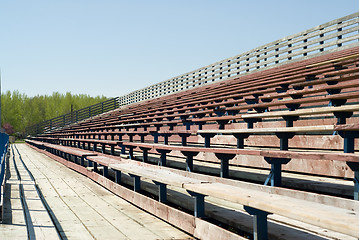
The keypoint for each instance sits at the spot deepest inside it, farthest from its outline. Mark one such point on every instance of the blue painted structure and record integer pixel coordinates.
(4, 145)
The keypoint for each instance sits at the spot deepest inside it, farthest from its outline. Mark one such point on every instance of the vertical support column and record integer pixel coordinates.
(250, 121)
(260, 223)
(355, 167)
(112, 149)
(136, 182)
(142, 136)
(165, 137)
(199, 207)
(162, 192)
(240, 139)
(130, 152)
(89, 163)
(123, 148)
(189, 160)
(275, 175)
(105, 171)
(103, 149)
(284, 137)
(184, 137)
(144, 153)
(349, 140)
(155, 136)
(130, 137)
(120, 136)
(163, 158)
(207, 139)
(224, 163)
(289, 120)
(117, 176)
(342, 116)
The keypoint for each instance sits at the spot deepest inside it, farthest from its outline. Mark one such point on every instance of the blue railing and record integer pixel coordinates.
(4, 145)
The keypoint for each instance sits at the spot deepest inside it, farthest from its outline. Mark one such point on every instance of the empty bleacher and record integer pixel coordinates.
(279, 141)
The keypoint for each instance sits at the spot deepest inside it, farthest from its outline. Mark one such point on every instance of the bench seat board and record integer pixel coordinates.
(325, 216)
(302, 129)
(302, 112)
(162, 175)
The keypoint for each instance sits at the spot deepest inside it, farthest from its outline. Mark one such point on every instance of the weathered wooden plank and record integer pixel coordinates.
(76, 200)
(324, 216)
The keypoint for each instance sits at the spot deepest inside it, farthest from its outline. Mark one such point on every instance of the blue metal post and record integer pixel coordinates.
(355, 167)
(136, 182)
(260, 223)
(224, 163)
(198, 204)
(276, 170)
(162, 192)
(118, 176)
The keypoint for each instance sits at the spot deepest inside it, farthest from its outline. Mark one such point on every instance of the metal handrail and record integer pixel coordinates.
(4, 145)
(73, 117)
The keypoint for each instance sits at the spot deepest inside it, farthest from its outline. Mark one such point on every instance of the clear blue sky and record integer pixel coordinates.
(113, 47)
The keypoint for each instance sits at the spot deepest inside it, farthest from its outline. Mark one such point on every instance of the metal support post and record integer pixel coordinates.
(240, 139)
(349, 139)
(89, 163)
(199, 206)
(136, 182)
(275, 175)
(130, 137)
(184, 137)
(142, 137)
(162, 192)
(284, 137)
(130, 152)
(207, 139)
(189, 160)
(123, 149)
(289, 120)
(250, 121)
(144, 154)
(105, 171)
(260, 223)
(355, 167)
(103, 149)
(165, 137)
(163, 158)
(155, 136)
(117, 176)
(342, 117)
(224, 163)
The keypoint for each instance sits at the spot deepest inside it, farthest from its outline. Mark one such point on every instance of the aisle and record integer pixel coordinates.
(81, 209)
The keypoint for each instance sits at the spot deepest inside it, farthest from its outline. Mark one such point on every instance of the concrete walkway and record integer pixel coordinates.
(50, 201)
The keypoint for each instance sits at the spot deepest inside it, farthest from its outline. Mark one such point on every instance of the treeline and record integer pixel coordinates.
(20, 111)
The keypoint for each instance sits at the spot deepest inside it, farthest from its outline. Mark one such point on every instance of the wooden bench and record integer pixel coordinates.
(80, 143)
(257, 203)
(341, 112)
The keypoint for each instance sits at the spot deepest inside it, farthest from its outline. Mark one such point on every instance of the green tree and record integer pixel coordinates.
(21, 111)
